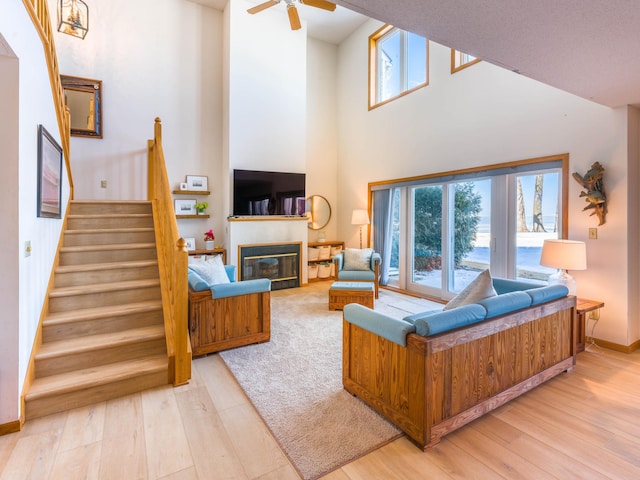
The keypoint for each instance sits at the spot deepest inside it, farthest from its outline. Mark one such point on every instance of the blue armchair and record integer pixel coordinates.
(358, 265)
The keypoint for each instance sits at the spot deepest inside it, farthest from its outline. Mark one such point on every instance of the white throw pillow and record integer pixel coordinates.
(480, 288)
(357, 259)
(212, 271)
(193, 259)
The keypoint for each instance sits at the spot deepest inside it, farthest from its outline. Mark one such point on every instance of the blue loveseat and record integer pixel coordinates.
(434, 371)
(228, 315)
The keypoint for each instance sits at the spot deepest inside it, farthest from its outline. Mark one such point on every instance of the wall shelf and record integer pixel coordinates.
(215, 251)
(206, 215)
(191, 192)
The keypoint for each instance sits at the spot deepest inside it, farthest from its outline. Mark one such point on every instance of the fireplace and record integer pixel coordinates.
(279, 263)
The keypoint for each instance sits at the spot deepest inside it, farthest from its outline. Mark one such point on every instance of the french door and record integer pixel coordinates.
(444, 234)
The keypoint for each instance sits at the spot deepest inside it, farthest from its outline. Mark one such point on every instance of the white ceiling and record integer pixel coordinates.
(590, 48)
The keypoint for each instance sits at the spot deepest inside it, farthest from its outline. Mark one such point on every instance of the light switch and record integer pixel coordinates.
(593, 234)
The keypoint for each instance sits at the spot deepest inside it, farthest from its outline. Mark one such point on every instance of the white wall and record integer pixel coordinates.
(165, 65)
(487, 115)
(267, 91)
(322, 130)
(9, 253)
(24, 81)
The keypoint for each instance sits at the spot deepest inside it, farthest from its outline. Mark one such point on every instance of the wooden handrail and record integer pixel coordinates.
(172, 262)
(39, 13)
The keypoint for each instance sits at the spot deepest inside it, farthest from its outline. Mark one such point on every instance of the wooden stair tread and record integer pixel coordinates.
(110, 202)
(109, 215)
(79, 231)
(88, 343)
(60, 318)
(103, 287)
(90, 377)
(109, 246)
(87, 267)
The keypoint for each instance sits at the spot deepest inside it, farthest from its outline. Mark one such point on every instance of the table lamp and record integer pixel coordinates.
(564, 255)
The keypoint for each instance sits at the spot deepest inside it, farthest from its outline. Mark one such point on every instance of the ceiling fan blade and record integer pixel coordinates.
(263, 6)
(294, 19)
(323, 4)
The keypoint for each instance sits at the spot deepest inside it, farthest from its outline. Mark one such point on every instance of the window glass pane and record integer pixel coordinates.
(417, 61)
(427, 236)
(389, 58)
(537, 213)
(472, 231)
(394, 262)
(460, 60)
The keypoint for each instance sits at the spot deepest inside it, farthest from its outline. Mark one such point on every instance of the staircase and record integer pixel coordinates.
(104, 334)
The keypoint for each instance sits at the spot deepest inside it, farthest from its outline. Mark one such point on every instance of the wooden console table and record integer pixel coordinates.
(583, 307)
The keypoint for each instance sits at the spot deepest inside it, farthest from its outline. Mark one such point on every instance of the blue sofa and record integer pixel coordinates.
(432, 372)
(228, 315)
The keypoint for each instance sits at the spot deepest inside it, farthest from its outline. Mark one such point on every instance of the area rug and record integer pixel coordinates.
(295, 383)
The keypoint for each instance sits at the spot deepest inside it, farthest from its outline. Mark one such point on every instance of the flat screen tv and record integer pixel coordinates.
(268, 193)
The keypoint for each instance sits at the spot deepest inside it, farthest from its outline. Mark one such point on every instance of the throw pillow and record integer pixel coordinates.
(193, 259)
(479, 289)
(212, 271)
(357, 259)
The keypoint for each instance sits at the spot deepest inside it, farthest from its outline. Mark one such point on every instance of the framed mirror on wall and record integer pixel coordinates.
(83, 96)
(319, 212)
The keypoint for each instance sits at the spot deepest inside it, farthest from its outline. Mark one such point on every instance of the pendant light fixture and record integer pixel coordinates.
(73, 18)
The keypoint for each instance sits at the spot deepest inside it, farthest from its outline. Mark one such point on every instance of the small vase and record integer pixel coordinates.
(208, 245)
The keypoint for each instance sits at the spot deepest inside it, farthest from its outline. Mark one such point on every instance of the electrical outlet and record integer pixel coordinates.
(27, 248)
(103, 184)
(593, 234)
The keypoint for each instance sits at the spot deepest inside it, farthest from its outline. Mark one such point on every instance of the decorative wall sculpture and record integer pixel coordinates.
(594, 195)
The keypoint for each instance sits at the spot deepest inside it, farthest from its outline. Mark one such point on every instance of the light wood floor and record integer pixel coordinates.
(581, 425)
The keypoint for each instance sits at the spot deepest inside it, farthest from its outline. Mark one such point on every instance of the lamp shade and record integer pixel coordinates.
(564, 254)
(359, 217)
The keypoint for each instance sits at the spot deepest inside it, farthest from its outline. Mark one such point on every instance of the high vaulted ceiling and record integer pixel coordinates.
(590, 48)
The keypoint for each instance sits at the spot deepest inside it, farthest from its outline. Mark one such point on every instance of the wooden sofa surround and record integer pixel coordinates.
(439, 383)
(221, 323)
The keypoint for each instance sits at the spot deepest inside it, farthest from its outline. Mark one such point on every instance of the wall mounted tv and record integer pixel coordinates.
(268, 193)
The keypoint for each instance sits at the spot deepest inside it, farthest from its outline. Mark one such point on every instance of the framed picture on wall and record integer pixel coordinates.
(197, 183)
(190, 244)
(185, 207)
(49, 175)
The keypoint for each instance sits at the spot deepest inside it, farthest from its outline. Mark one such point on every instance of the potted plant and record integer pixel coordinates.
(209, 237)
(200, 207)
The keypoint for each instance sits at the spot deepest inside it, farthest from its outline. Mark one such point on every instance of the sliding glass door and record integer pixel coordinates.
(444, 233)
(537, 210)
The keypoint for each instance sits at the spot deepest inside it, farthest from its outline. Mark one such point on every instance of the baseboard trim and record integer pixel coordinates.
(617, 347)
(11, 427)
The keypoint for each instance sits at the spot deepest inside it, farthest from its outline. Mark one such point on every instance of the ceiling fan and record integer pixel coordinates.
(292, 11)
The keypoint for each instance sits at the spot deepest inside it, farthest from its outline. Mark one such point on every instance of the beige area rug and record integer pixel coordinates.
(295, 383)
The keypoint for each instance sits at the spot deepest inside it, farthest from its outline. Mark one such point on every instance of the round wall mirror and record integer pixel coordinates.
(319, 212)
